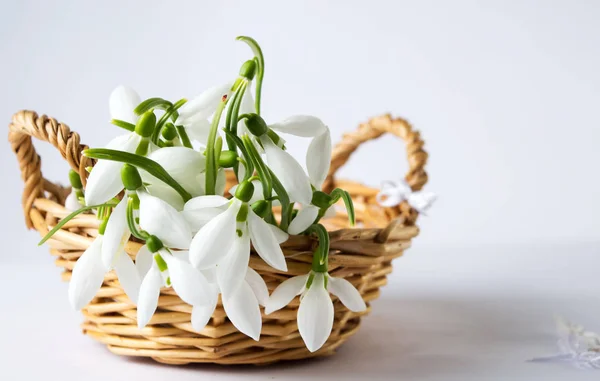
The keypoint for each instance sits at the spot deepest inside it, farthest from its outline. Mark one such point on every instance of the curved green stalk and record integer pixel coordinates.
(260, 62)
(69, 218)
(211, 163)
(321, 255)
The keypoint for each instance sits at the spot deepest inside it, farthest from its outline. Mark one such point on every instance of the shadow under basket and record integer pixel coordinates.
(362, 255)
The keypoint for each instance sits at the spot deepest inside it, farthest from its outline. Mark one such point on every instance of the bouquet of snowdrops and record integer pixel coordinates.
(163, 182)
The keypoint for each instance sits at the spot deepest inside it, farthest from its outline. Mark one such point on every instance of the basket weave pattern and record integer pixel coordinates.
(362, 255)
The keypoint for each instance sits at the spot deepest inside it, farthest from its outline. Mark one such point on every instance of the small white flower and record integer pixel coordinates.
(190, 284)
(159, 218)
(394, 192)
(315, 314)
(185, 165)
(318, 155)
(242, 306)
(104, 181)
(225, 242)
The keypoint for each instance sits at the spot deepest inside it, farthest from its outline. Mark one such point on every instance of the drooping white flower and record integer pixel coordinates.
(159, 218)
(114, 256)
(288, 171)
(241, 306)
(190, 284)
(193, 115)
(318, 155)
(394, 192)
(185, 165)
(104, 182)
(225, 242)
(87, 276)
(315, 314)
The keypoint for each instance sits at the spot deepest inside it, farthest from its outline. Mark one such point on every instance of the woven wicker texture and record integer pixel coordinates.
(362, 255)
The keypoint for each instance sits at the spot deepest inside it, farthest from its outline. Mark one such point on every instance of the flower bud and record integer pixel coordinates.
(75, 180)
(154, 244)
(169, 132)
(256, 125)
(131, 177)
(248, 70)
(244, 191)
(321, 199)
(228, 159)
(146, 124)
(260, 207)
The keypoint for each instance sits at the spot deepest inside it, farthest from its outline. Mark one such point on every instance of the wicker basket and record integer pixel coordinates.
(362, 255)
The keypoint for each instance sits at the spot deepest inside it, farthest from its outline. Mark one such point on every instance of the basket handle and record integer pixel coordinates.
(27, 124)
(374, 128)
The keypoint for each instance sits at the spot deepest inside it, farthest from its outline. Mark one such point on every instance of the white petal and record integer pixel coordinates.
(72, 202)
(123, 100)
(300, 125)
(87, 276)
(347, 294)
(198, 129)
(148, 299)
(104, 181)
(279, 234)
(116, 234)
(315, 315)
(196, 219)
(265, 242)
(258, 286)
(289, 172)
(189, 283)
(204, 104)
(243, 311)
(201, 314)
(162, 220)
(318, 159)
(221, 182)
(165, 193)
(389, 198)
(285, 292)
(128, 275)
(330, 212)
(143, 261)
(210, 201)
(214, 239)
(305, 217)
(232, 269)
(182, 164)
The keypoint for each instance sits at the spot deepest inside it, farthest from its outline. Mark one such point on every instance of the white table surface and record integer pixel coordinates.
(437, 319)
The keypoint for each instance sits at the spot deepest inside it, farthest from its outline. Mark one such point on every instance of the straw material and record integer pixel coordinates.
(362, 255)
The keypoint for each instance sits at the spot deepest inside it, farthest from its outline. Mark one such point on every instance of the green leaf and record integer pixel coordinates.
(152, 103)
(140, 162)
(284, 199)
(248, 160)
(338, 193)
(123, 124)
(69, 218)
(263, 171)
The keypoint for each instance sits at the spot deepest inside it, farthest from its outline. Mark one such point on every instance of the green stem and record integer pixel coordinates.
(260, 62)
(321, 254)
(171, 112)
(284, 200)
(131, 220)
(211, 163)
(185, 139)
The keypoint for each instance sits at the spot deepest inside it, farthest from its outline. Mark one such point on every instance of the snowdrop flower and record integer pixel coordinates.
(160, 219)
(394, 192)
(185, 165)
(225, 240)
(315, 314)
(104, 181)
(87, 276)
(242, 306)
(318, 155)
(163, 268)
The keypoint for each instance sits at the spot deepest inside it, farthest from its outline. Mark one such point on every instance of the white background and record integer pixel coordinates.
(505, 93)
